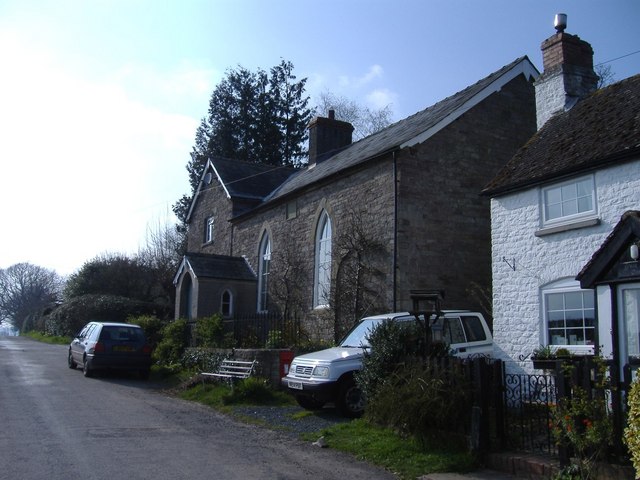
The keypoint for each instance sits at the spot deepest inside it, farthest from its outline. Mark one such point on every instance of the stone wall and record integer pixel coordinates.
(212, 201)
(443, 222)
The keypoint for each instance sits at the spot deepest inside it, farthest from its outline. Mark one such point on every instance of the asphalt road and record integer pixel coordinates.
(56, 424)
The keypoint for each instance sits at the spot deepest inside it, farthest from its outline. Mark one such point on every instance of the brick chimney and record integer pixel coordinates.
(327, 135)
(568, 74)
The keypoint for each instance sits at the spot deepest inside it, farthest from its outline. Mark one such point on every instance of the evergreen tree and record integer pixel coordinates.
(255, 117)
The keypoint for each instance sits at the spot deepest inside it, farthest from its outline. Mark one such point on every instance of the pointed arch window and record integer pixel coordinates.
(226, 304)
(263, 273)
(322, 276)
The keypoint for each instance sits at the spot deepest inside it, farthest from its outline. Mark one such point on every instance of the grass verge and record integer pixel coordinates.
(53, 339)
(403, 456)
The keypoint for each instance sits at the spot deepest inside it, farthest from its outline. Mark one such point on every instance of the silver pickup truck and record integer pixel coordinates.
(327, 375)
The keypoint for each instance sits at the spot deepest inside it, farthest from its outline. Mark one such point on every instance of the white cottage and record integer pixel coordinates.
(552, 208)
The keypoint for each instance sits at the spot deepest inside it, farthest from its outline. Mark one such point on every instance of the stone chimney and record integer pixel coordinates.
(327, 135)
(568, 74)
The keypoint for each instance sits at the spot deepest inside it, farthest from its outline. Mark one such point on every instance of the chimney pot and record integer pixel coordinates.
(332, 114)
(568, 72)
(560, 22)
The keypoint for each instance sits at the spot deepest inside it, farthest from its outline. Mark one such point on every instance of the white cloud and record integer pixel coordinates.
(381, 98)
(84, 167)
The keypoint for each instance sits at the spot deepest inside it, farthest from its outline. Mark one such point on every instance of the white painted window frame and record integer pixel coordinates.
(322, 267)
(560, 287)
(574, 217)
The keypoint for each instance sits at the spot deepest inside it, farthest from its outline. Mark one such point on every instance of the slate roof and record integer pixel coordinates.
(405, 132)
(603, 128)
(246, 180)
(218, 266)
(250, 180)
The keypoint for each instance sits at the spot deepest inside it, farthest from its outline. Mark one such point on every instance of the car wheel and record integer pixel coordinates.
(86, 370)
(144, 374)
(309, 403)
(351, 401)
(71, 361)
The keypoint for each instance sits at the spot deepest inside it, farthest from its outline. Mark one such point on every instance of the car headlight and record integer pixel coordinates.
(321, 372)
(292, 368)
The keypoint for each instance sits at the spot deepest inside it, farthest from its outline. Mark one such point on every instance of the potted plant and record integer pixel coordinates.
(546, 358)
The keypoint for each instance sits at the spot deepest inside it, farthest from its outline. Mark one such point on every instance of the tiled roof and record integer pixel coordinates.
(602, 128)
(219, 266)
(400, 133)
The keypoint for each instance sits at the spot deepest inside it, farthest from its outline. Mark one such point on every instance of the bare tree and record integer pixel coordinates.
(606, 76)
(288, 274)
(161, 254)
(360, 282)
(27, 292)
(365, 120)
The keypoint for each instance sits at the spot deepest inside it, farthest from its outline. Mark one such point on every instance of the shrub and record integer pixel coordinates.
(632, 431)
(209, 332)
(73, 314)
(436, 402)
(585, 425)
(175, 338)
(252, 390)
(275, 339)
(392, 344)
(202, 359)
(152, 327)
(398, 371)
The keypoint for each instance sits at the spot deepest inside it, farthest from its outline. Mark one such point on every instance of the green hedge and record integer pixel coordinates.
(70, 317)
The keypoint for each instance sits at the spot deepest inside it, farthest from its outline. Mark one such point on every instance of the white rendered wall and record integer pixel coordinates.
(515, 218)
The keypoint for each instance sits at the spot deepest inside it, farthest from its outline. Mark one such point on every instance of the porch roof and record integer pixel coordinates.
(613, 249)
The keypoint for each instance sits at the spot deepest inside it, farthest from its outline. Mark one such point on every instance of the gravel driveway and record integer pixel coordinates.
(293, 420)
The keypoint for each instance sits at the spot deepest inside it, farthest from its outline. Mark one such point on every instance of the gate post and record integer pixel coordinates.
(563, 390)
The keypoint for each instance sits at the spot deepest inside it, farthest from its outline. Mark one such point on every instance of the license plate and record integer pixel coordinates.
(295, 385)
(123, 348)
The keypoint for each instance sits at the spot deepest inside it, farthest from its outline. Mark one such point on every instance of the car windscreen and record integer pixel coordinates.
(358, 336)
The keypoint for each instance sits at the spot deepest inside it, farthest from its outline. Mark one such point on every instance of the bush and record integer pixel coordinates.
(72, 315)
(209, 332)
(436, 403)
(152, 327)
(175, 338)
(275, 339)
(252, 390)
(398, 371)
(392, 344)
(201, 359)
(632, 431)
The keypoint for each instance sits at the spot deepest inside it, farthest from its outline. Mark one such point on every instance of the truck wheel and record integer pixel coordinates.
(309, 403)
(351, 401)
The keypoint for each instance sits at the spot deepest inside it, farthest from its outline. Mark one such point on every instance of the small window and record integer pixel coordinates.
(208, 230)
(569, 316)
(292, 210)
(263, 273)
(568, 200)
(226, 304)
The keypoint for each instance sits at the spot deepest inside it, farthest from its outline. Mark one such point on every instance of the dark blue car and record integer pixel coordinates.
(110, 346)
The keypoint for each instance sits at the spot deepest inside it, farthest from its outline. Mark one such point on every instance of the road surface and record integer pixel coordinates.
(56, 424)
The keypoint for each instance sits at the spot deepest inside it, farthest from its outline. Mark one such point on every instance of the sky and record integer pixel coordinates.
(100, 99)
